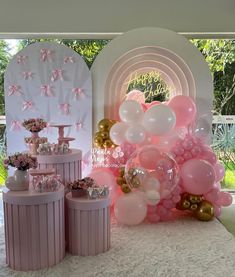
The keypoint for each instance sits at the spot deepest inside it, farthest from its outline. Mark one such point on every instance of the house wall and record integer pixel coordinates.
(115, 16)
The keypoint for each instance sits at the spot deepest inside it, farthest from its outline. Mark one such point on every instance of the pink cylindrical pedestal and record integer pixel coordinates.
(68, 166)
(34, 228)
(88, 225)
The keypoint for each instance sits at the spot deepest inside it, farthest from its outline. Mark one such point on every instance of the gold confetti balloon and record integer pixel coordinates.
(125, 188)
(205, 211)
(120, 181)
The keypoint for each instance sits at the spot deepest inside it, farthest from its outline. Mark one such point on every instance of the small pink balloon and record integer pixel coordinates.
(217, 211)
(130, 209)
(225, 199)
(154, 218)
(198, 176)
(209, 156)
(154, 103)
(104, 177)
(219, 172)
(213, 195)
(144, 106)
(184, 108)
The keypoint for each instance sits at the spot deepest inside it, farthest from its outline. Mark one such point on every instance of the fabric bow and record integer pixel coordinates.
(21, 59)
(46, 55)
(27, 105)
(15, 125)
(57, 74)
(78, 125)
(27, 75)
(47, 90)
(69, 59)
(78, 92)
(64, 108)
(14, 89)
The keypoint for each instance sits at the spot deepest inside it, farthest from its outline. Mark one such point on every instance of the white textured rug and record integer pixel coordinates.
(185, 247)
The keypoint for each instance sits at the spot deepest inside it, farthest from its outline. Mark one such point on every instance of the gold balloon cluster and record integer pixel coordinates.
(132, 176)
(102, 139)
(202, 209)
(121, 181)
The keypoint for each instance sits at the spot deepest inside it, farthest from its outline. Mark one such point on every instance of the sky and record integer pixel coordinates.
(13, 43)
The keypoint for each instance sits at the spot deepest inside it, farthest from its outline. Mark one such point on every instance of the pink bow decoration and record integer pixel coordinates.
(27, 75)
(56, 75)
(78, 125)
(65, 108)
(21, 59)
(27, 105)
(78, 92)
(46, 55)
(15, 125)
(14, 90)
(69, 60)
(47, 90)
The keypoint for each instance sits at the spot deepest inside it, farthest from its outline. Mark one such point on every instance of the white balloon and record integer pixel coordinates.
(159, 120)
(117, 132)
(135, 134)
(152, 184)
(131, 111)
(153, 197)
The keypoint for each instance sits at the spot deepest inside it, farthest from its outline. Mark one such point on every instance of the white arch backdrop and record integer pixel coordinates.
(178, 61)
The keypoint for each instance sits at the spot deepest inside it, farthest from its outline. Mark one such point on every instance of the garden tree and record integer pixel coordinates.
(88, 49)
(220, 56)
(4, 60)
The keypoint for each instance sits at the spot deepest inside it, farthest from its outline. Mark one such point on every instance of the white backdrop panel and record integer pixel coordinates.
(51, 81)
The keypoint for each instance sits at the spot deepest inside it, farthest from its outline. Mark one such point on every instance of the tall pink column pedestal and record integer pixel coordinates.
(88, 225)
(34, 228)
(68, 166)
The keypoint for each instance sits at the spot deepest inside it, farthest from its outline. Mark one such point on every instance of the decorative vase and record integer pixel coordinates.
(19, 181)
(35, 134)
(33, 147)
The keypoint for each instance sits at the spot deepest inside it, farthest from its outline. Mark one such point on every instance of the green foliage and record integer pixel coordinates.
(220, 55)
(4, 60)
(151, 84)
(88, 49)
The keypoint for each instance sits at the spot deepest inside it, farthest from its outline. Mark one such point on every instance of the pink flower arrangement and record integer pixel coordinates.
(34, 124)
(21, 161)
(82, 184)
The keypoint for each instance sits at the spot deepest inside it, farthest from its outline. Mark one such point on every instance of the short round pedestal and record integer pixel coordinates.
(88, 225)
(68, 166)
(34, 229)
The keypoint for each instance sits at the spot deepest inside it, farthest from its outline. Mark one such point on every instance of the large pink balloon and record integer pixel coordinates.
(104, 177)
(148, 156)
(225, 199)
(198, 176)
(184, 108)
(130, 209)
(219, 172)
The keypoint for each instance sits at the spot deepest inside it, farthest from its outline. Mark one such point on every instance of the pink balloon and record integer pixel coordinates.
(208, 156)
(130, 209)
(103, 177)
(153, 103)
(148, 157)
(225, 199)
(219, 172)
(198, 176)
(136, 95)
(217, 211)
(213, 195)
(184, 108)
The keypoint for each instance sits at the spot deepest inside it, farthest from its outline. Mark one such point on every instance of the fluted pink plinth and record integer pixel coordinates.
(34, 228)
(68, 166)
(88, 225)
